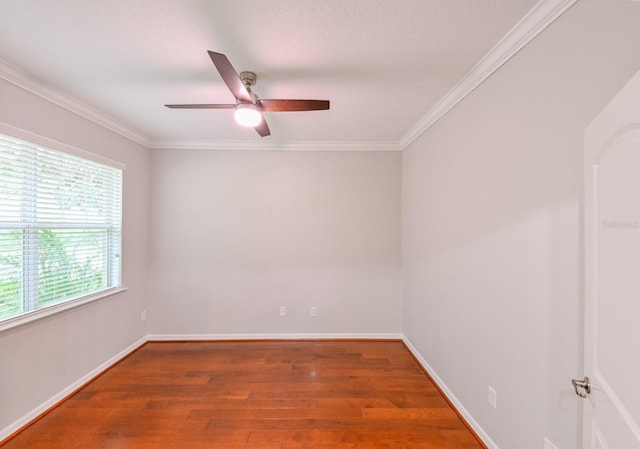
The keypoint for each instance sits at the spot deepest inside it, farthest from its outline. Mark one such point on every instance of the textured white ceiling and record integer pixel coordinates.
(382, 63)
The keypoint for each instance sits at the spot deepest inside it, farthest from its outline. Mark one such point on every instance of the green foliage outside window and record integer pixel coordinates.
(64, 270)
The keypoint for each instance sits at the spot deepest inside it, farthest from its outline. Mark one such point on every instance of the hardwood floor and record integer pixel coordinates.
(258, 395)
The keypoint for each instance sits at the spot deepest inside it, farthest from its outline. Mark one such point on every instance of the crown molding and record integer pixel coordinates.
(264, 146)
(23, 80)
(539, 18)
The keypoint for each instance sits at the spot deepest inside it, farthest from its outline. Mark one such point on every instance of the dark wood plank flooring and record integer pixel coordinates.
(258, 395)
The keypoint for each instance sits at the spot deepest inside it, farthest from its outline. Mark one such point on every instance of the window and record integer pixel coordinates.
(60, 227)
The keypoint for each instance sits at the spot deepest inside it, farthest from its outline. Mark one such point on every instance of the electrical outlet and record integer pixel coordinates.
(143, 316)
(548, 444)
(314, 311)
(283, 310)
(493, 398)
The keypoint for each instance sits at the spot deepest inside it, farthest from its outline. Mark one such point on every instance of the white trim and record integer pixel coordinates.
(452, 398)
(37, 139)
(539, 18)
(22, 79)
(40, 314)
(51, 402)
(222, 337)
(264, 146)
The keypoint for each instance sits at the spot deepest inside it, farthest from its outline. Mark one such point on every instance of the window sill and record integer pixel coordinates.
(36, 315)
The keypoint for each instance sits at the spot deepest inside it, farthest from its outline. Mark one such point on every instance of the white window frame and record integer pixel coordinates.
(40, 313)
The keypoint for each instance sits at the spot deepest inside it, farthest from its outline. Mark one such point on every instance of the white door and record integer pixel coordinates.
(612, 273)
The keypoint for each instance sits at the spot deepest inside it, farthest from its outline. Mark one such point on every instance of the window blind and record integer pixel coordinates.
(60, 227)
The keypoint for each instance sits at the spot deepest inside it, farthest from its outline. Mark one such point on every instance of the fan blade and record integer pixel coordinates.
(293, 105)
(201, 106)
(230, 76)
(263, 128)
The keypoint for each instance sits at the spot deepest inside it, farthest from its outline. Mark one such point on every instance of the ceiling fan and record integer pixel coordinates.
(248, 107)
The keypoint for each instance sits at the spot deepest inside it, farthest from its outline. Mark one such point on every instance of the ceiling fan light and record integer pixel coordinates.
(247, 115)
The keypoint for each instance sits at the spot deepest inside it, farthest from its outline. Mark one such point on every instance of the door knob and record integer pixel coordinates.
(582, 387)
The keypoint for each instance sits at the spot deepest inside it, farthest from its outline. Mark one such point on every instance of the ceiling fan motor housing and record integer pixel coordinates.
(248, 79)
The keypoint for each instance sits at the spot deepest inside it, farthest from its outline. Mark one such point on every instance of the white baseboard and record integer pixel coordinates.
(222, 337)
(486, 439)
(33, 414)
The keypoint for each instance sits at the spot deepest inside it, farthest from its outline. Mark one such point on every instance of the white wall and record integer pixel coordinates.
(236, 234)
(491, 241)
(491, 228)
(41, 359)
